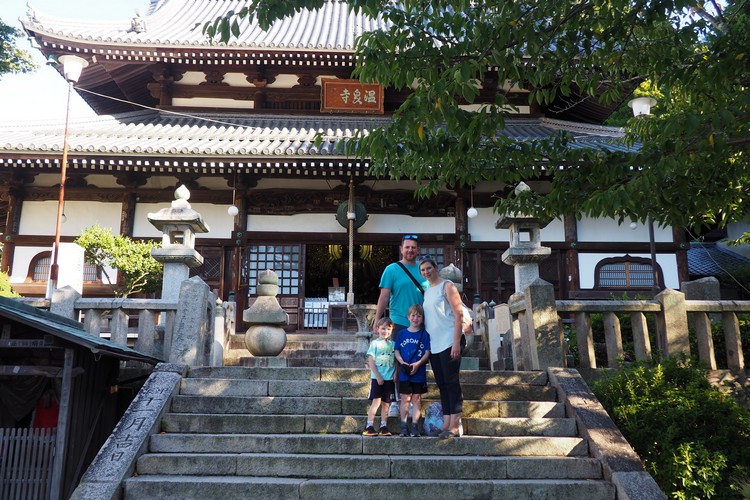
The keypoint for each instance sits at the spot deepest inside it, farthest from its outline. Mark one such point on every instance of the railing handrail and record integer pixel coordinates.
(673, 316)
(127, 303)
(624, 306)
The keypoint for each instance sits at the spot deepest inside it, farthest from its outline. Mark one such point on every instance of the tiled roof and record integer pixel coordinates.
(158, 133)
(66, 329)
(709, 259)
(178, 23)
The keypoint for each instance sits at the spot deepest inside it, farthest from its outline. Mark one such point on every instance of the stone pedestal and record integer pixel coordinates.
(365, 314)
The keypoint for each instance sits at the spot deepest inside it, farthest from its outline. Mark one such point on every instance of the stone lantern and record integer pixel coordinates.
(526, 250)
(179, 224)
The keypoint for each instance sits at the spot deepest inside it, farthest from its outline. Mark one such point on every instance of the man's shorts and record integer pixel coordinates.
(385, 392)
(408, 387)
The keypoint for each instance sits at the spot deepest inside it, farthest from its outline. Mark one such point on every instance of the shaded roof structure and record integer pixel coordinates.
(126, 52)
(203, 141)
(68, 330)
(710, 259)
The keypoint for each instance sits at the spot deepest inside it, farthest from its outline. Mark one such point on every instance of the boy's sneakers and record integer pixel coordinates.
(370, 431)
(415, 430)
(404, 430)
(384, 431)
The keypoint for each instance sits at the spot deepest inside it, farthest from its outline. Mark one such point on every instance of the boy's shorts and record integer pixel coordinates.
(385, 392)
(408, 387)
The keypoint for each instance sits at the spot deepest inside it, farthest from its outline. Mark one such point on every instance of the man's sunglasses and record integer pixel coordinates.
(411, 237)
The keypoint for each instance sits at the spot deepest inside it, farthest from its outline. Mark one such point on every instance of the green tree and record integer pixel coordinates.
(6, 290)
(138, 271)
(692, 167)
(12, 59)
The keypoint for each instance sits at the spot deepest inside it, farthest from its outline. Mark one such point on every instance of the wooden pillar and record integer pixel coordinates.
(572, 276)
(15, 202)
(462, 238)
(127, 214)
(681, 255)
(63, 421)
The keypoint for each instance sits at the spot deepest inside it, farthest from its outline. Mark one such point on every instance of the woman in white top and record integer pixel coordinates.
(443, 321)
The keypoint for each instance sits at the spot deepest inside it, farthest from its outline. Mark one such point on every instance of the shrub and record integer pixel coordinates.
(691, 438)
(6, 290)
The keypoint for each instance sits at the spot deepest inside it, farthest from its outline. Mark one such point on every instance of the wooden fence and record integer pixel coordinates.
(26, 457)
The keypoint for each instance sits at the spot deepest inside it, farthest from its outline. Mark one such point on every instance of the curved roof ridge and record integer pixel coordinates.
(178, 23)
(616, 132)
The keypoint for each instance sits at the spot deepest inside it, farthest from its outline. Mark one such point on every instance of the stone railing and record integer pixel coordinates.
(151, 333)
(672, 317)
(191, 331)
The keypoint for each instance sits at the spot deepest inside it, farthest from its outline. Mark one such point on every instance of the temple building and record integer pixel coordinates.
(236, 124)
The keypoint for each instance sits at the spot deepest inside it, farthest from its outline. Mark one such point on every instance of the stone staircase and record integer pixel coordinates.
(332, 351)
(294, 432)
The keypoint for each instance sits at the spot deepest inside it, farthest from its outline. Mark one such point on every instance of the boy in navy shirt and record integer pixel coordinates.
(412, 353)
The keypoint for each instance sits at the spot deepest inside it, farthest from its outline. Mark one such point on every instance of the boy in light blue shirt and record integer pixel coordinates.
(381, 362)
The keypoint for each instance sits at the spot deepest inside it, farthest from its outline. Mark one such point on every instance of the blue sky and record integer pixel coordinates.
(41, 95)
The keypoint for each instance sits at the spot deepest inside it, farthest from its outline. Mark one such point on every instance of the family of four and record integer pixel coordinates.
(425, 313)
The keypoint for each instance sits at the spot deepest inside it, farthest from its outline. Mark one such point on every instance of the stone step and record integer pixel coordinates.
(324, 466)
(308, 388)
(270, 405)
(349, 354)
(348, 424)
(242, 488)
(346, 444)
(347, 362)
(346, 345)
(358, 374)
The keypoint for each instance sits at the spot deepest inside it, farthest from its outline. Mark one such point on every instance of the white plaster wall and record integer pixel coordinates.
(326, 223)
(387, 223)
(206, 102)
(609, 230)
(587, 262)
(482, 228)
(299, 223)
(734, 231)
(40, 217)
(22, 259)
(215, 216)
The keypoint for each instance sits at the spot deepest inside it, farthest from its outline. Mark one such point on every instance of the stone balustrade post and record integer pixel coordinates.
(63, 302)
(501, 339)
(191, 328)
(671, 324)
(545, 337)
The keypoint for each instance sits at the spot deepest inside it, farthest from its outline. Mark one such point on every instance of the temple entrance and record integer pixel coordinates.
(328, 266)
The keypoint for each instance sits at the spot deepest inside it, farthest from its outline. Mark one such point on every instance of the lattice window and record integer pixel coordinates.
(40, 264)
(437, 253)
(625, 272)
(285, 260)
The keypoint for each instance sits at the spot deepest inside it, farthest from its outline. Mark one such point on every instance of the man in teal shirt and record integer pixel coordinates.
(397, 290)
